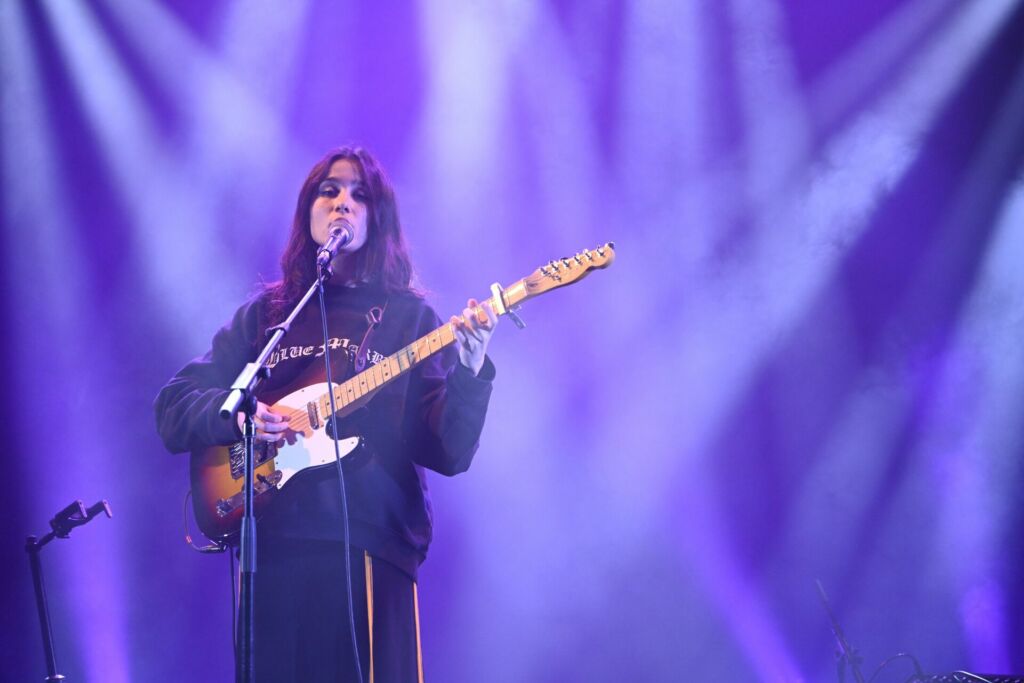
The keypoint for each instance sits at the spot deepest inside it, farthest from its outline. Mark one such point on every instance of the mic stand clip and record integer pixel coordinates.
(61, 525)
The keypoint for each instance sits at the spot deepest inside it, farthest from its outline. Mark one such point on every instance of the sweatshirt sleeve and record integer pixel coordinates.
(448, 404)
(186, 407)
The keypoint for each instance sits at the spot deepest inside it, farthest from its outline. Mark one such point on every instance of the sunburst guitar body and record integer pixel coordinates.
(217, 472)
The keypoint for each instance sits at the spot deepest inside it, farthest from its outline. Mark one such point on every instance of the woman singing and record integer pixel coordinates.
(428, 417)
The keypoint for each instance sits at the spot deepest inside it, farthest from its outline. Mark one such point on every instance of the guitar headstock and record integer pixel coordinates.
(566, 271)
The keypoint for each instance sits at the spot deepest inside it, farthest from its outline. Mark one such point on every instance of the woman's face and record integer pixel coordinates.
(340, 197)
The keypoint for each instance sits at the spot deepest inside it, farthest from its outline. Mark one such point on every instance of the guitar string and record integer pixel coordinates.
(351, 386)
(298, 418)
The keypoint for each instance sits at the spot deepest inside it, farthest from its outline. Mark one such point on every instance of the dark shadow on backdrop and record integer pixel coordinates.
(761, 456)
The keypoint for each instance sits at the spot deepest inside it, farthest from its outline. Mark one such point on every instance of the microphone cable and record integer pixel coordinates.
(341, 481)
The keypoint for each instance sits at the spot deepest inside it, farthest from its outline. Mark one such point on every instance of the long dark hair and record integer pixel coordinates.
(383, 261)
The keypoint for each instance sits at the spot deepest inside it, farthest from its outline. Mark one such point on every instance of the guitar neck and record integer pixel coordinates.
(406, 358)
(555, 274)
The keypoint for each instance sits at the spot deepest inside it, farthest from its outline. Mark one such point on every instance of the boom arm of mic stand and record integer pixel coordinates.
(253, 373)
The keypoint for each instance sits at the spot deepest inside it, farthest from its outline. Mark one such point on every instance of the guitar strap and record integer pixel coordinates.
(373, 318)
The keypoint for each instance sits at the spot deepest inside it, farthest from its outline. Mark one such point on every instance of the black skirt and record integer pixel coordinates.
(301, 618)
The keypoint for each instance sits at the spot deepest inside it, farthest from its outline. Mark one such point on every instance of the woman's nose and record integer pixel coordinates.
(342, 203)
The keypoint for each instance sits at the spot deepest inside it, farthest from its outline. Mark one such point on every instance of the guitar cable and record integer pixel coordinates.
(210, 549)
(341, 484)
(234, 604)
(205, 549)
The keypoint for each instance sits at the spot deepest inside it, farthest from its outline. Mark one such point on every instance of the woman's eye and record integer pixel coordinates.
(327, 189)
(360, 195)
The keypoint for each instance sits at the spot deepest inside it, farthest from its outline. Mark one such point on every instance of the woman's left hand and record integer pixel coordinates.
(473, 332)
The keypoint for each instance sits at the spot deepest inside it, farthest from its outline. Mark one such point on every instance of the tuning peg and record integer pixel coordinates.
(578, 259)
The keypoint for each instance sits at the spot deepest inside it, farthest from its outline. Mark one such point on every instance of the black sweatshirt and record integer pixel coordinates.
(430, 417)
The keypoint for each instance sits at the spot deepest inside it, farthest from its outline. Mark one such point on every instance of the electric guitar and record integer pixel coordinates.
(216, 472)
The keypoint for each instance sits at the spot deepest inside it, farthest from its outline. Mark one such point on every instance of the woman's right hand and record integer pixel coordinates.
(270, 426)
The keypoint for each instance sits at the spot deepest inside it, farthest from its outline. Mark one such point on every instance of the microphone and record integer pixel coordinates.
(341, 234)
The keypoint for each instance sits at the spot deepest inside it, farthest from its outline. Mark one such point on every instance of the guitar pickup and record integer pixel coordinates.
(236, 456)
(262, 484)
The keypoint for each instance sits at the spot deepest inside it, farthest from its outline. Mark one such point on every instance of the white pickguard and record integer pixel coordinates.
(311, 448)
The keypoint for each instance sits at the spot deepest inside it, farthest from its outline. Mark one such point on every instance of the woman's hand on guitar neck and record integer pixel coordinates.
(473, 332)
(270, 426)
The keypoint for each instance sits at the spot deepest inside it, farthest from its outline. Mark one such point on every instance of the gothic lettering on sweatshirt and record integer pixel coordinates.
(287, 353)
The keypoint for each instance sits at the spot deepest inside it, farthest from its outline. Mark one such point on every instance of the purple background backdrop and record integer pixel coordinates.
(806, 362)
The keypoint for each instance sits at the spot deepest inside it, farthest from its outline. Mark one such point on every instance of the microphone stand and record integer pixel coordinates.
(243, 398)
(63, 522)
(847, 655)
